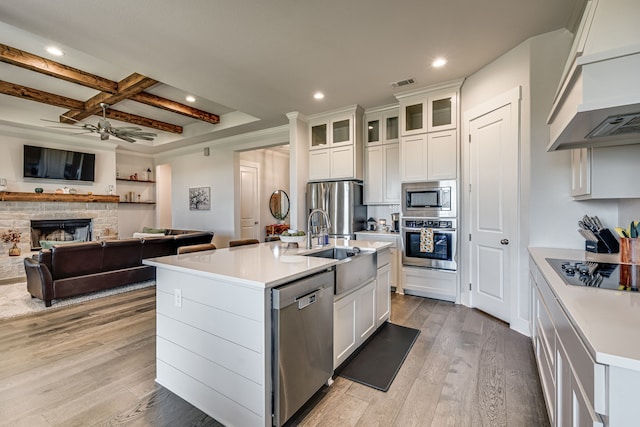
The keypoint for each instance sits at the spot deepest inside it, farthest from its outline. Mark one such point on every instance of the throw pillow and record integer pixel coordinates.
(138, 235)
(150, 230)
(48, 244)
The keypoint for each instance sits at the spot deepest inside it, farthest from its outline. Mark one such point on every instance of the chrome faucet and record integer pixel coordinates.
(309, 233)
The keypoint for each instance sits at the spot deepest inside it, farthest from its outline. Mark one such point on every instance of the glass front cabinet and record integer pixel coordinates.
(428, 112)
(335, 144)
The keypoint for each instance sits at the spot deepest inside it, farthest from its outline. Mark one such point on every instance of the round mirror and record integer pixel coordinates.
(279, 204)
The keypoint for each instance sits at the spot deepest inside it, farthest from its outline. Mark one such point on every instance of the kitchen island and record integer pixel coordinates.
(214, 338)
(587, 344)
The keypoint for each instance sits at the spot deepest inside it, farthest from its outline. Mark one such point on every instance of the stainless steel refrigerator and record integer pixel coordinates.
(342, 200)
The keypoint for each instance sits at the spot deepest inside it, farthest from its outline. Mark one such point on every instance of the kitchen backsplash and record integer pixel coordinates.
(382, 212)
(628, 210)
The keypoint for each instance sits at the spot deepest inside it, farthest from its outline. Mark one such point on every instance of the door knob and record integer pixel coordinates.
(504, 241)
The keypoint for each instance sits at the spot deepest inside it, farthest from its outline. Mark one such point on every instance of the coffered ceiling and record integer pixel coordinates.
(251, 62)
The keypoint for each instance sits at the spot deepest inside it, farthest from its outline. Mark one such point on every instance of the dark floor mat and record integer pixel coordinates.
(377, 363)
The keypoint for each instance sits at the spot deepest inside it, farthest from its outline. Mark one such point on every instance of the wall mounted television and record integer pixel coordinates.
(51, 163)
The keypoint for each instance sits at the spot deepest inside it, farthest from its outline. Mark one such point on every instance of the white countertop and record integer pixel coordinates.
(607, 320)
(265, 265)
(379, 233)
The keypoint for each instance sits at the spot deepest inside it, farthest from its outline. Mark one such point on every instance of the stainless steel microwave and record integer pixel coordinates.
(429, 199)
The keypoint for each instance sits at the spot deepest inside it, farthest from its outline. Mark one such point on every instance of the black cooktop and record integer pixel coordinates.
(619, 277)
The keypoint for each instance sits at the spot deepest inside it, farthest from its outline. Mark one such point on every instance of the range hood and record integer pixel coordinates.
(598, 101)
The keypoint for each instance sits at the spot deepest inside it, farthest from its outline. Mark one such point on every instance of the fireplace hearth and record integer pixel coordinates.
(60, 230)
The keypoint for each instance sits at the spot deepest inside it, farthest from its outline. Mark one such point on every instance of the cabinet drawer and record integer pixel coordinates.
(546, 332)
(546, 378)
(591, 375)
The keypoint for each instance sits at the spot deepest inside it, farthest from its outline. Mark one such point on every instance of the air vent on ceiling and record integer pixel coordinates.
(617, 125)
(404, 82)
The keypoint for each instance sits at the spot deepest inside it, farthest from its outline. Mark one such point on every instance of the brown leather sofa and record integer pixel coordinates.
(78, 268)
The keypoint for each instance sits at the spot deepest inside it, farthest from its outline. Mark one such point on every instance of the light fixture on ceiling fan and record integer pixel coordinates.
(104, 128)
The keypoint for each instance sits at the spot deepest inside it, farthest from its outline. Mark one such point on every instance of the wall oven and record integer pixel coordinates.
(429, 199)
(441, 255)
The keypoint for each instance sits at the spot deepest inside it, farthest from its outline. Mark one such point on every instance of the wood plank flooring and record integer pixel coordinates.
(94, 364)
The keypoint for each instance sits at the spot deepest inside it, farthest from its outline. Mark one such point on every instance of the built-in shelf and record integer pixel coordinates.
(14, 196)
(134, 180)
(137, 203)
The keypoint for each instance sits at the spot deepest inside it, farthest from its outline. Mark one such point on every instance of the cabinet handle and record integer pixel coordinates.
(504, 241)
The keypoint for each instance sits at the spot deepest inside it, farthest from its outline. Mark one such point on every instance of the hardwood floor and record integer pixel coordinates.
(94, 364)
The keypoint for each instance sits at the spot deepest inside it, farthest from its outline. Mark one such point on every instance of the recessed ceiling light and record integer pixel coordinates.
(318, 95)
(54, 51)
(190, 98)
(439, 62)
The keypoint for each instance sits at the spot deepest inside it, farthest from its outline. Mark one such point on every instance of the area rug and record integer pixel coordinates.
(379, 360)
(16, 301)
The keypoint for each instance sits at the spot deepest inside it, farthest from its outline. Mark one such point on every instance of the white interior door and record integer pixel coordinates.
(493, 178)
(249, 201)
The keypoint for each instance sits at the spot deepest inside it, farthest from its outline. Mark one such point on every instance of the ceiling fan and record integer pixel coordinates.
(104, 128)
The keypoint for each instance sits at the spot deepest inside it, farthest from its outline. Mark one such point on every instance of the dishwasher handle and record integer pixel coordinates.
(308, 299)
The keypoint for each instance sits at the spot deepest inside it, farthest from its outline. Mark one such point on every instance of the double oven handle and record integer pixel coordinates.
(435, 230)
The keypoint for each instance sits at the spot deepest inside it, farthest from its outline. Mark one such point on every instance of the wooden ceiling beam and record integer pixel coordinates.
(39, 96)
(111, 92)
(42, 65)
(141, 121)
(127, 87)
(175, 107)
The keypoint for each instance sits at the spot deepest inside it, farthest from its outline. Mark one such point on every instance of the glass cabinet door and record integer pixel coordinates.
(392, 128)
(319, 135)
(413, 117)
(341, 131)
(442, 114)
(373, 131)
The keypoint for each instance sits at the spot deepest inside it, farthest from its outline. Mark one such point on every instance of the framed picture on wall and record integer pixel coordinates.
(200, 199)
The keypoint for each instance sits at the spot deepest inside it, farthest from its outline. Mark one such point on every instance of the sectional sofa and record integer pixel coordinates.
(77, 268)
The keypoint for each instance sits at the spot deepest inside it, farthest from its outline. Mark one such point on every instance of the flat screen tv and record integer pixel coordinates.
(50, 163)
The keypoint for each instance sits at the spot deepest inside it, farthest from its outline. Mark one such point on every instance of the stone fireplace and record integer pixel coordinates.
(18, 215)
(59, 230)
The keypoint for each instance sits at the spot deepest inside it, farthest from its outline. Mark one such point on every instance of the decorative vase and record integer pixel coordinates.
(14, 250)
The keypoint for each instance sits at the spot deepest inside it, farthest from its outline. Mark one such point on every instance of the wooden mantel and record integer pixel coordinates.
(11, 196)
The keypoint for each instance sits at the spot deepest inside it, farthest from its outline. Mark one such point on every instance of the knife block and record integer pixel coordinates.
(606, 243)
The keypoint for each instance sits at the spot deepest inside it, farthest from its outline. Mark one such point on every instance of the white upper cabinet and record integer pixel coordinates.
(430, 111)
(331, 131)
(335, 144)
(429, 157)
(382, 127)
(429, 120)
(382, 158)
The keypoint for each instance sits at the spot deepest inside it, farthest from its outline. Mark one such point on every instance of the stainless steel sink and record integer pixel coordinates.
(356, 267)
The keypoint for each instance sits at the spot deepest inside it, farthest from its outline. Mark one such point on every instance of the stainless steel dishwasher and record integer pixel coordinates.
(302, 342)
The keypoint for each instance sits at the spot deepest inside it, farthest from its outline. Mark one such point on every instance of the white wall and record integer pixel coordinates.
(548, 215)
(134, 217)
(274, 175)
(191, 168)
(11, 161)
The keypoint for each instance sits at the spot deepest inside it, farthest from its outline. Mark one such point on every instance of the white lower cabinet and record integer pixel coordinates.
(574, 385)
(429, 282)
(383, 295)
(354, 320)
(394, 251)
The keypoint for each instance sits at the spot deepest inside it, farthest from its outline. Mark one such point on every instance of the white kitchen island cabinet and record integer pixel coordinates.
(586, 343)
(214, 317)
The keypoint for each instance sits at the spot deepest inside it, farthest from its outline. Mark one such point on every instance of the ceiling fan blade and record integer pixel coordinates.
(145, 138)
(126, 129)
(70, 118)
(126, 138)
